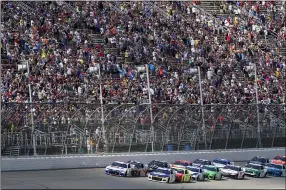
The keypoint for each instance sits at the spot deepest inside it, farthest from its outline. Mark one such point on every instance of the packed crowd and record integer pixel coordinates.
(174, 39)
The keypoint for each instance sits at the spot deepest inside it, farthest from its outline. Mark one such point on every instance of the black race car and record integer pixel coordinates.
(259, 160)
(201, 162)
(153, 165)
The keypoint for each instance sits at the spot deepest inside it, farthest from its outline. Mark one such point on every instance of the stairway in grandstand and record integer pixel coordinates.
(12, 151)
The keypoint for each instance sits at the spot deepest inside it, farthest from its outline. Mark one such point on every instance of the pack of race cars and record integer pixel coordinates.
(199, 169)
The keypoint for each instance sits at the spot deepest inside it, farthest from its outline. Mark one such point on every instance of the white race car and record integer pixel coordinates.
(196, 173)
(232, 171)
(165, 175)
(119, 168)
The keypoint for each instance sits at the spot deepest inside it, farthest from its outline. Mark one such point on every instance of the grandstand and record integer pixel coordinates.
(74, 77)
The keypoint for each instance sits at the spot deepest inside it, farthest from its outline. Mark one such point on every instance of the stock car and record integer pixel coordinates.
(120, 168)
(279, 160)
(182, 174)
(201, 162)
(276, 169)
(196, 173)
(212, 172)
(255, 170)
(165, 175)
(182, 163)
(259, 160)
(233, 171)
(139, 168)
(221, 163)
(155, 164)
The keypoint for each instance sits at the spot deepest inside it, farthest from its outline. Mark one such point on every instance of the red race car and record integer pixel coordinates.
(182, 163)
(279, 160)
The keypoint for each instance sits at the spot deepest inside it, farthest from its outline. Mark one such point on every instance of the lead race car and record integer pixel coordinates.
(165, 175)
(233, 171)
(124, 169)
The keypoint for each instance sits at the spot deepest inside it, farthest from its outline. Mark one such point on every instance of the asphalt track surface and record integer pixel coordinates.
(96, 179)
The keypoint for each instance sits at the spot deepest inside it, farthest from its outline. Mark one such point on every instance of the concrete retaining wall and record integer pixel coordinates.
(90, 161)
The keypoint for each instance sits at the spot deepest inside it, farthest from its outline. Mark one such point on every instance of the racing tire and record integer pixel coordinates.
(264, 175)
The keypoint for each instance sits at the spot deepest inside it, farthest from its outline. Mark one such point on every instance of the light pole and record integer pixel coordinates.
(101, 106)
(257, 109)
(31, 109)
(151, 111)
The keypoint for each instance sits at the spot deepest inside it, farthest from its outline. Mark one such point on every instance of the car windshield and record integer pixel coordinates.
(280, 158)
(117, 164)
(162, 171)
(210, 168)
(203, 162)
(225, 162)
(159, 164)
(181, 163)
(235, 168)
(194, 169)
(257, 167)
(260, 159)
(179, 171)
(274, 166)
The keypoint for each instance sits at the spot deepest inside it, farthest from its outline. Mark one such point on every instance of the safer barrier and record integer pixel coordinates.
(98, 161)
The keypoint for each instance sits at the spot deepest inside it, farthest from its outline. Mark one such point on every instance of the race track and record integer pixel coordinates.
(96, 179)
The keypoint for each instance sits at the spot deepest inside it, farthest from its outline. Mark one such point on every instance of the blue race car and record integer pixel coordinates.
(278, 170)
(221, 163)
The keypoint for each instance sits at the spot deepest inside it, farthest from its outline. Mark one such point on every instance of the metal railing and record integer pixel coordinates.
(128, 128)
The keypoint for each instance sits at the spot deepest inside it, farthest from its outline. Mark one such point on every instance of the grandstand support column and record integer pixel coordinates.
(31, 109)
(151, 111)
(101, 106)
(202, 107)
(257, 109)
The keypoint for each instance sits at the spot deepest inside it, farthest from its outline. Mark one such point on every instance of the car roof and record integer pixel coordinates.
(221, 159)
(194, 167)
(280, 156)
(236, 166)
(202, 159)
(260, 157)
(164, 169)
(255, 164)
(159, 161)
(179, 168)
(186, 161)
(275, 164)
(120, 162)
(211, 166)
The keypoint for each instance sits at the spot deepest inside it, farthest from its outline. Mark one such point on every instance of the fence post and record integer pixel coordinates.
(257, 109)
